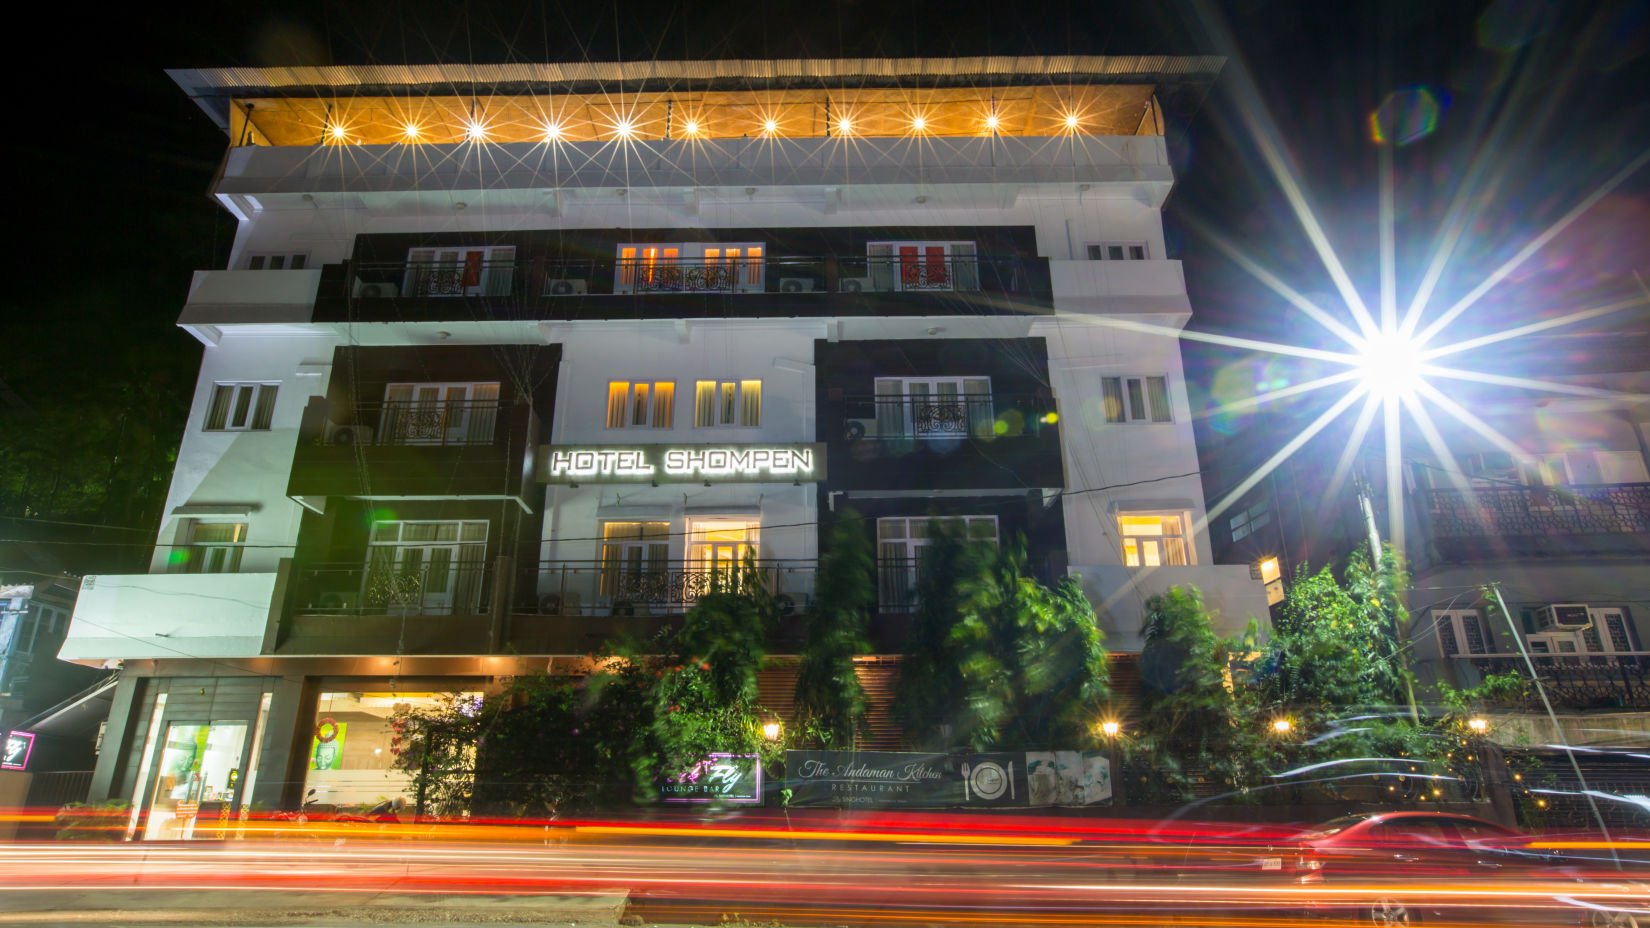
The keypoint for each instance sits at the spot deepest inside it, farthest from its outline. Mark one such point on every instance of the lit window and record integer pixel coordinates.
(902, 543)
(641, 405)
(1136, 399)
(214, 548)
(727, 402)
(635, 558)
(241, 407)
(1152, 540)
(721, 544)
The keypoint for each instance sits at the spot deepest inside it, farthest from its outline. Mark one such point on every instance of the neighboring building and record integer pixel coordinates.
(1562, 529)
(508, 360)
(34, 620)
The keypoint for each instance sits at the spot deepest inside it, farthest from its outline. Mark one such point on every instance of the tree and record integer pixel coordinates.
(830, 700)
(1032, 665)
(928, 701)
(1189, 711)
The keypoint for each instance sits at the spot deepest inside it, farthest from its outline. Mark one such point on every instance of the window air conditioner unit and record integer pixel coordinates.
(348, 434)
(376, 291)
(796, 284)
(854, 284)
(566, 286)
(1563, 616)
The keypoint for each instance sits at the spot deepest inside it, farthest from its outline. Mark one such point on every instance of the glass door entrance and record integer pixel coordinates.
(196, 786)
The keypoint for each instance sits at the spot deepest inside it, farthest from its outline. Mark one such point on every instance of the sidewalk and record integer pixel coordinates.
(241, 908)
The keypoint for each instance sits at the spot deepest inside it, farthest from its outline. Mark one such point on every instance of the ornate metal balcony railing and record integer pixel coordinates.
(1619, 680)
(1513, 511)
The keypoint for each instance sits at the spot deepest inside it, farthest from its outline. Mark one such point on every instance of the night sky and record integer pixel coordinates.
(113, 175)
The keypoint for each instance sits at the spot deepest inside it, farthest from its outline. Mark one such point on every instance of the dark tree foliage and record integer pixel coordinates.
(1034, 672)
(928, 697)
(830, 700)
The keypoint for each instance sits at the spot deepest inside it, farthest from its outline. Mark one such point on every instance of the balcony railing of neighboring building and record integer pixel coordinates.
(550, 279)
(442, 583)
(1618, 680)
(1519, 517)
(940, 416)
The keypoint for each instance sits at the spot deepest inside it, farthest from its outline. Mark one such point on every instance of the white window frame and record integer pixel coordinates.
(656, 412)
(442, 271)
(745, 411)
(213, 557)
(439, 413)
(1188, 548)
(1246, 522)
(1451, 625)
(466, 557)
(288, 261)
(898, 400)
(1124, 387)
(1118, 251)
(897, 576)
(886, 267)
(242, 416)
(634, 261)
(1582, 640)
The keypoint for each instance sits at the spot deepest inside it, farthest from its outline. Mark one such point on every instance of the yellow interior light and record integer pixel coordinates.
(1282, 726)
(337, 132)
(552, 131)
(625, 128)
(770, 127)
(844, 126)
(918, 123)
(992, 122)
(692, 127)
(1072, 120)
(412, 131)
(476, 132)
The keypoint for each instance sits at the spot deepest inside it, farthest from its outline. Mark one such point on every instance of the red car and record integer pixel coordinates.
(1411, 850)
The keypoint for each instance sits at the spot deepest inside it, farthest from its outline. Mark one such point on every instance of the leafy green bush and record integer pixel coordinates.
(93, 821)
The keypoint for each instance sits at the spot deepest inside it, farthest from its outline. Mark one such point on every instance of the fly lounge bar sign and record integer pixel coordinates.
(787, 463)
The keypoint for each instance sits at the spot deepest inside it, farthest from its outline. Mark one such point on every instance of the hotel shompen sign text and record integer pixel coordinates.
(755, 463)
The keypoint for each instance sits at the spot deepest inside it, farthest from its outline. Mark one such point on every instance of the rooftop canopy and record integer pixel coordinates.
(879, 97)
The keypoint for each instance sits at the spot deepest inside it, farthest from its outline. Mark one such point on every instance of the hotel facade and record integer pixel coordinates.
(508, 361)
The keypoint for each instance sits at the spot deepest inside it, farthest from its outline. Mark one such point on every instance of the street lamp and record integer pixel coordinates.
(770, 731)
(1479, 726)
(1282, 726)
(1110, 728)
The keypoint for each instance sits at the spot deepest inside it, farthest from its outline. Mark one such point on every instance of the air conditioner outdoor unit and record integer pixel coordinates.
(1563, 616)
(796, 284)
(566, 286)
(855, 429)
(376, 291)
(348, 434)
(337, 601)
(854, 284)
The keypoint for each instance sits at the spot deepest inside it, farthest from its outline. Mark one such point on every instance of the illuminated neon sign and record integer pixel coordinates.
(19, 744)
(681, 463)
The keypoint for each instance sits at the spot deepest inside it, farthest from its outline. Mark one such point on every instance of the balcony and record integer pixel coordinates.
(204, 615)
(1573, 681)
(941, 442)
(1510, 520)
(223, 297)
(471, 450)
(544, 288)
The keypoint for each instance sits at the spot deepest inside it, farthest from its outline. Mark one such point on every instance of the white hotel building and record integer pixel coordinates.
(507, 359)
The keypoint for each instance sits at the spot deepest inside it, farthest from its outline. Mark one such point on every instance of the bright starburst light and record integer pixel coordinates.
(1390, 361)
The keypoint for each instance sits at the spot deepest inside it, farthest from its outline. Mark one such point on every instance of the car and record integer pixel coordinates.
(1411, 851)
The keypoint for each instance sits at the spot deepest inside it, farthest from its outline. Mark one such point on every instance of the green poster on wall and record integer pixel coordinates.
(326, 749)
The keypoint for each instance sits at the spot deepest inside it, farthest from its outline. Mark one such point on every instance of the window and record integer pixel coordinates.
(1153, 540)
(727, 402)
(689, 266)
(266, 262)
(922, 266)
(1117, 251)
(1462, 632)
(934, 407)
(434, 568)
(641, 404)
(439, 413)
(461, 270)
(1251, 519)
(1136, 399)
(214, 548)
(635, 561)
(902, 543)
(241, 406)
(721, 544)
